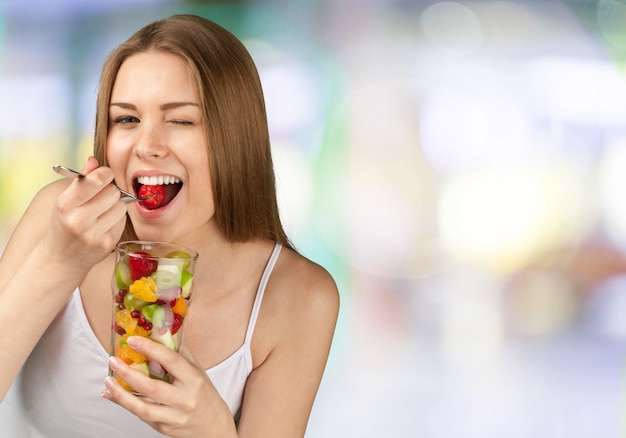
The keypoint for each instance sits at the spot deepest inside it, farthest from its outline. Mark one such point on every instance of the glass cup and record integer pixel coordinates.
(152, 289)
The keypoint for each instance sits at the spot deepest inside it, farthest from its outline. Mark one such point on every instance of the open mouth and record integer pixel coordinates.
(160, 190)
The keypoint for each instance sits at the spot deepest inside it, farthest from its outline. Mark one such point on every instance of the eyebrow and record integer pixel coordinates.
(163, 107)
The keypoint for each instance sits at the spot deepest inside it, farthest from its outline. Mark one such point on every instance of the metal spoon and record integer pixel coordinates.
(124, 195)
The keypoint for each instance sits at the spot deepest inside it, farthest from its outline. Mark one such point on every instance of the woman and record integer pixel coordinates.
(180, 99)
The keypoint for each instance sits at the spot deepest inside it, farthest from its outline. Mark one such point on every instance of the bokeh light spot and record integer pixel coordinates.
(452, 27)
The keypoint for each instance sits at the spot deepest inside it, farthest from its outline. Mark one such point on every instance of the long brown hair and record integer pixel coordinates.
(230, 93)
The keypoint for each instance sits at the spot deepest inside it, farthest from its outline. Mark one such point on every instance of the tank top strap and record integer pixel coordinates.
(259, 294)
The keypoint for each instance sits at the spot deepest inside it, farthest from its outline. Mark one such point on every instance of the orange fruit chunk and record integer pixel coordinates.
(140, 366)
(125, 385)
(144, 289)
(140, 331)
(129, 355)
(126, 321)
(180, 307)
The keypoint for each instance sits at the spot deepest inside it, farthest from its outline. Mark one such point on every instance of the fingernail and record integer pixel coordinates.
(114, 362)
(106, 394)
(109, 382)
(134, 341)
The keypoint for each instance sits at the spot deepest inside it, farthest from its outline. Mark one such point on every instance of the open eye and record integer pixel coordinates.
(124, 120)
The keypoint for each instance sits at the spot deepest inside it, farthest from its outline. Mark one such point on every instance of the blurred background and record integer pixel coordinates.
(458, 166)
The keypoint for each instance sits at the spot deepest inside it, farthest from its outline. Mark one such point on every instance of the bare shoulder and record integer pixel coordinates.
(301, 300)
(303, 284)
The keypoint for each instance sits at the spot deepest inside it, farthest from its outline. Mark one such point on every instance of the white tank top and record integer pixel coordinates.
(57, 393)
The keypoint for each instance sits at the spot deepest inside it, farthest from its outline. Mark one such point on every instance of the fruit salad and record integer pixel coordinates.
(151, 299)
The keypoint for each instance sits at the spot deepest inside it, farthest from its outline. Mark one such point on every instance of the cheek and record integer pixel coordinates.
(116, 160)
(202, 190)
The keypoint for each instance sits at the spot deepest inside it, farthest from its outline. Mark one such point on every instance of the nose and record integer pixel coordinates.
(150, 142)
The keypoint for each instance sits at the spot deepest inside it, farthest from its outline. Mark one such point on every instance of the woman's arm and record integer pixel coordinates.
(280, 392)
(67, 228)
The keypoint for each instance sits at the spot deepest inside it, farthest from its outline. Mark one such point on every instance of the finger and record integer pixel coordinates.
(187, 376)
(147, 410)
(154, 393)
(83, 190)
(97, 178)
(101, 202)
(114, 217)
(154, 389)
(108, 227)
(90, 165)
(87, 214)
(169, 359)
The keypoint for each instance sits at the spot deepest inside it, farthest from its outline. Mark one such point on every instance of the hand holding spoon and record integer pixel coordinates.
(124, 195)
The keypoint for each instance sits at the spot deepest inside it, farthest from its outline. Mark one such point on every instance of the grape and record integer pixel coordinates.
(130, 302)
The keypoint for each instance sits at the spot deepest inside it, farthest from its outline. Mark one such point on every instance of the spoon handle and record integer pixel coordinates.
(71, 173)
(66, 171)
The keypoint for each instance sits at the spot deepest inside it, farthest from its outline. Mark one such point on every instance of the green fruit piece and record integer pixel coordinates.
(170, 266)
(180, 255)
(166, 338)
(141, 366)
(166, 278)
(155, 314)
(133, 303)
(186, 281)
(148, 311)
(122, 275)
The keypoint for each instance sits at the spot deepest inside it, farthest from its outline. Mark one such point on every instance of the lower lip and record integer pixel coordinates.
(144, 212)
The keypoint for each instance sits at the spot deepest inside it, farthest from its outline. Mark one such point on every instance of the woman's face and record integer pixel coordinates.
(156, 144)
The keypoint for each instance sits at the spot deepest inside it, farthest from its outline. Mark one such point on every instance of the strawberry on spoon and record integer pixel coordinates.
(155, 195)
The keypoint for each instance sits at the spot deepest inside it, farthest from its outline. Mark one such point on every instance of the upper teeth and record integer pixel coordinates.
(157, 180)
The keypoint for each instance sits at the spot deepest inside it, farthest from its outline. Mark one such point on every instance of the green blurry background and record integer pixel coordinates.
(458, 166)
